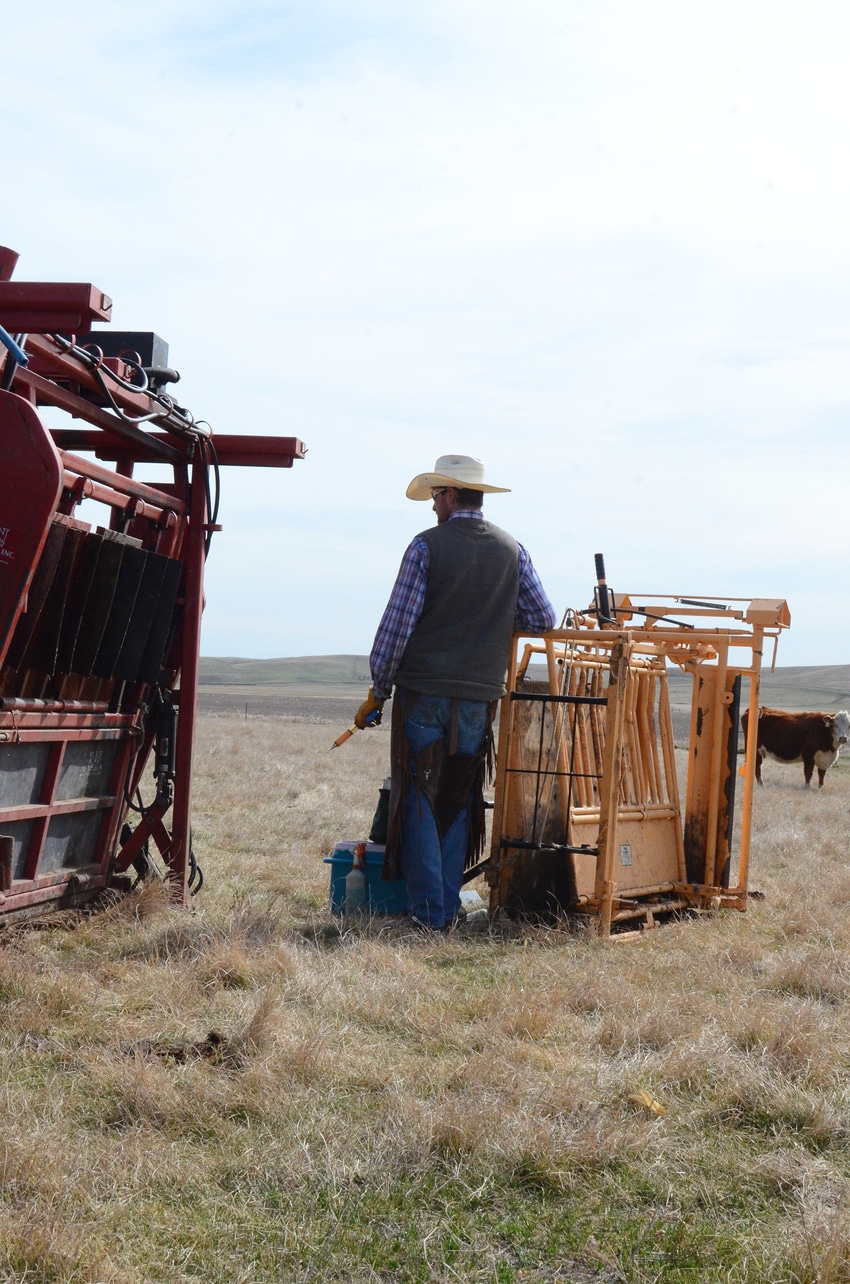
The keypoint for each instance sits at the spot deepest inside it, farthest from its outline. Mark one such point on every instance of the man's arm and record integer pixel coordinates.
(534, 611)
(400, 618)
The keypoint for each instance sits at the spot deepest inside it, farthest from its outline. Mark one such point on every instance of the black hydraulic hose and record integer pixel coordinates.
(210, 465)
(170, 409)
(134, 362)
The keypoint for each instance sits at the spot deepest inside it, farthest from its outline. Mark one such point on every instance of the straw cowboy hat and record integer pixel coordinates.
(453, 470)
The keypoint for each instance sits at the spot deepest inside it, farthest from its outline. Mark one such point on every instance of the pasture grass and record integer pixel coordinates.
(260, 1092)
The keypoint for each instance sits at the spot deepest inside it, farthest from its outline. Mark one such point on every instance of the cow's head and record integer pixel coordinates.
(840, 728)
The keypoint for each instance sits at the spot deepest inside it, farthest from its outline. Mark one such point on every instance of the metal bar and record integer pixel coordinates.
(542, 698)
(656, 777)
(52, 891)
(98, 726)
(581, 760)
(33, 705)
(717, 740)
(750, 764)
(610, 793)
(623, 916)
(514, 844)
(123, 485)
(193, 591)
(688, 639)
(668, 750)
(67, 807)
(596, 730)
(560, 747)
(532, 771)
(657, 890)
(537, 777)
(110, 828)
(7, 847)
(631, 772)
(654, 811)
(505, 746)
(231, 450)
(52, 394)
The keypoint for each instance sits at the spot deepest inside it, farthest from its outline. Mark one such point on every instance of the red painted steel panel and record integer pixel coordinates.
(231, 449)
(30, 485)
(40, 307)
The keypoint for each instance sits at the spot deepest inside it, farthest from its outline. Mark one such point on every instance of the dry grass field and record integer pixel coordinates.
(258, 1092)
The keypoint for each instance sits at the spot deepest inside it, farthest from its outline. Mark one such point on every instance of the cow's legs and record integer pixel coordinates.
(758, 766)
(808, 768)
(821, 775)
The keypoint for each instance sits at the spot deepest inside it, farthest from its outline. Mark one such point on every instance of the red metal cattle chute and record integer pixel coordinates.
(99, 628)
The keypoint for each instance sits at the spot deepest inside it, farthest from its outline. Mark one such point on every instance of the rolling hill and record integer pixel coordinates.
(346, 676)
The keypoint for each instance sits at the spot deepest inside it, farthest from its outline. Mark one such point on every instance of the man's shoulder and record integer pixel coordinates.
(466, 528)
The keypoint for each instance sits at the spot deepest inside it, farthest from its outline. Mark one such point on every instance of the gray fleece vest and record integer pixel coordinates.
(461, 645)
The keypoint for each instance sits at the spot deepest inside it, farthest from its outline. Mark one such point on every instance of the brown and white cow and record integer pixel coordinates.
(813, 739)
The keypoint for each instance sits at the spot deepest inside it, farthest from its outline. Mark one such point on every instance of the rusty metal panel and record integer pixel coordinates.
(20, 832)
(22, 770)
(86, 769)
(71, 841)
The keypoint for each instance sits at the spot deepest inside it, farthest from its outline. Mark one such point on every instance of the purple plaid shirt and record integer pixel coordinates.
(534, 611)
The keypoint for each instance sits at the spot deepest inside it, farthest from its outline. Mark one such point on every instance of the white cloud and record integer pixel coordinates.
(600, 244)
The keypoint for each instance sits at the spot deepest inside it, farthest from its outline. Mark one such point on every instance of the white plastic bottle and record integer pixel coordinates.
(355, 883)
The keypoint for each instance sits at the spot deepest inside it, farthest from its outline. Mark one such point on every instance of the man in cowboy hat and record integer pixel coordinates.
(444, 641)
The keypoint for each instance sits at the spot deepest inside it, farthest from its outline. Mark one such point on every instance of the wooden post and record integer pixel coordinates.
(610, 784)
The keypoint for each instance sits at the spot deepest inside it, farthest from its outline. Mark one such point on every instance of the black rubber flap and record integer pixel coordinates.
(160, 628)
(37, 597)
(98, 606)
(79, 585)
(126, 667)
(130, 575)
(43, 650)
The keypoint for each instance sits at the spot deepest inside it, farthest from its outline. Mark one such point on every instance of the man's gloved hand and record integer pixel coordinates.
(369, 713)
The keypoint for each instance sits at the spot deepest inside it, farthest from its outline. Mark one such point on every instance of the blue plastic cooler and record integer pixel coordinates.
(381, 897)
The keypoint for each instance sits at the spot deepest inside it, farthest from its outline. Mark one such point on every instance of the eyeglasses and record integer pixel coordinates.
(438, 490)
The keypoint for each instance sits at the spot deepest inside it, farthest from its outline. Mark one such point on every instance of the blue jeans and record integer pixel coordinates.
(433, 870)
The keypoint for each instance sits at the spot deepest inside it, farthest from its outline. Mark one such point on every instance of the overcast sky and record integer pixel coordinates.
(601, 244)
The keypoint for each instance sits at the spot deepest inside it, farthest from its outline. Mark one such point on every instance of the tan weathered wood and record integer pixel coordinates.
(611, 764)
